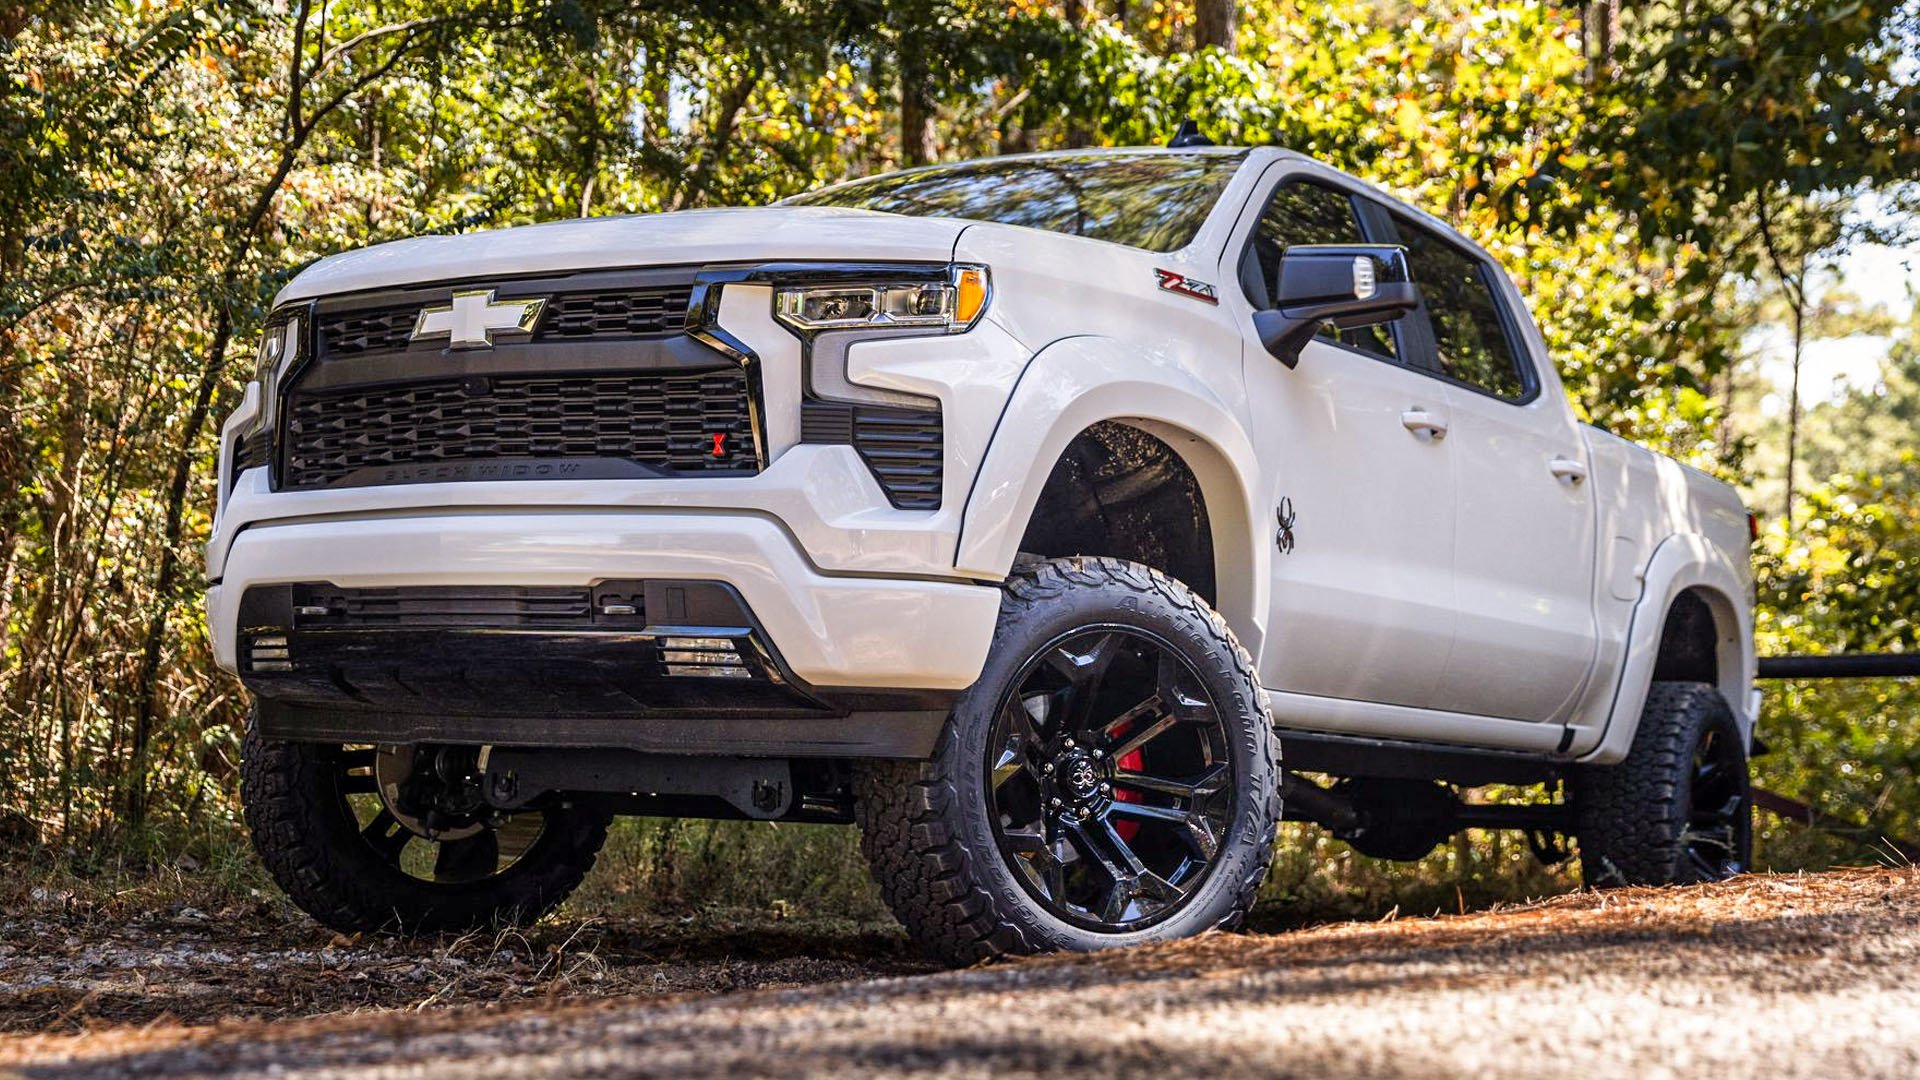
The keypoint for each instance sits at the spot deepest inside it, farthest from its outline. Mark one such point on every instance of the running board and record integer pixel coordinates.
(1354, 755)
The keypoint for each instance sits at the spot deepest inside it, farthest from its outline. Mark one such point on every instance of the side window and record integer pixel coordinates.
(1302, 212)
(1470, 341)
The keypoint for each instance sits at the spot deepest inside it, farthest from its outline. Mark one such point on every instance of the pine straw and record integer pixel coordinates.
(1788, 974)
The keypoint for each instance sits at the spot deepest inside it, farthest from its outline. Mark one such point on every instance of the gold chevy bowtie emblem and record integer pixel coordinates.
(474, 316)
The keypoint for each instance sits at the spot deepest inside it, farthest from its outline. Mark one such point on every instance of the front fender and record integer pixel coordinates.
(1077, 382)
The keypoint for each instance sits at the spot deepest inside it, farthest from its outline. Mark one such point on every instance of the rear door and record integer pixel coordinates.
(1359, 492)
(1523, 528)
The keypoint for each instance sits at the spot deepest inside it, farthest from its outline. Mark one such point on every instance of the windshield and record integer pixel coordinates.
(1154, 201)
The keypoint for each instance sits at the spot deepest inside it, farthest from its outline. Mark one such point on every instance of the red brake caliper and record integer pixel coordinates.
(1128, 762)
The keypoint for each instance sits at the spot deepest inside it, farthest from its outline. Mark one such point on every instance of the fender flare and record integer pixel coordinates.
(1681, 562)
(1076, 382)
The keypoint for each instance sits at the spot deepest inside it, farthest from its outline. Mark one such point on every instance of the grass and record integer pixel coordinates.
(760, 873)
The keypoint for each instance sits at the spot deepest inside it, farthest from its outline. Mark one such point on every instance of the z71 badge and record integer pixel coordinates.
(1186, 286)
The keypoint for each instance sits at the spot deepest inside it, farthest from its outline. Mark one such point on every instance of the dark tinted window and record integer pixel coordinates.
(1468, 336)
(1301, 212)
(1152, 201)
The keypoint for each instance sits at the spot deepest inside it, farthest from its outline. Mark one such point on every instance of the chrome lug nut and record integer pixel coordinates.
(1106, 789)
(1098, 753)
(1068, 744)
(1054, 802)
(1047, 768)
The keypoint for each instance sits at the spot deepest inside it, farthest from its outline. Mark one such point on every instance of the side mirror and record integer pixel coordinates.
(1347, 285)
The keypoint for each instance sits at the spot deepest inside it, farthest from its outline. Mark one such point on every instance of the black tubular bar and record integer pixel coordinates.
(1842, 666)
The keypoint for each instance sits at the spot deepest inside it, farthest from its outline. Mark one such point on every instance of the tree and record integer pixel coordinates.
(1214, 24)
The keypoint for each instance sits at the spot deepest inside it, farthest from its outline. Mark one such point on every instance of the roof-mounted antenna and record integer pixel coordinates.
(1187, 135)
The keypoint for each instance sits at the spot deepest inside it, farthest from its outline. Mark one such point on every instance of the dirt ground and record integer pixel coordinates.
(1809, 975)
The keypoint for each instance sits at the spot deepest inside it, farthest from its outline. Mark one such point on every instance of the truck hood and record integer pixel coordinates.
(767, 233)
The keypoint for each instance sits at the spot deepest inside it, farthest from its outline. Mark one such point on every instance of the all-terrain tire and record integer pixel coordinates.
(307, 836)
(1635, 821)
(925, 827)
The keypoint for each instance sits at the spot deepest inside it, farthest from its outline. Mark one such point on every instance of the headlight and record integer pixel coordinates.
(952, 305)
(278, 344)
(273, 346)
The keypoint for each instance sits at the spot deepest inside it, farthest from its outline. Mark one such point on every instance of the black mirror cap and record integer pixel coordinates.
(1348, 285)
(1325, 273)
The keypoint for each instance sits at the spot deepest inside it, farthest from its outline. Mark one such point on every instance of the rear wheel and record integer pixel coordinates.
(1110, 779)
(1679, 809)
(365, 837)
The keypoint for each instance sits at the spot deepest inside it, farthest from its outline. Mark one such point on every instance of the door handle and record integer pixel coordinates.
(1421, 421)
(1567, 470)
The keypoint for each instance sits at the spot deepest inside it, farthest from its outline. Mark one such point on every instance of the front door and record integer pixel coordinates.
(1360, 490)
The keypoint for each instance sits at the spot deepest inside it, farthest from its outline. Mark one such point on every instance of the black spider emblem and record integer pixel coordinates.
(1284, 536)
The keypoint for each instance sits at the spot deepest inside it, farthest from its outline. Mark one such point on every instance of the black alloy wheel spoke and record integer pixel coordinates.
(354, 770)
(1083, 666)
(1128, 879)
(1150, 709)
(387, 836)
(1211, 782)
(1193, 826)
(468, 859)
(1016, 749)
(1101, 843)
(1706, 870)
(1178, 699)
(358, 784)
(1028, 843)
(1137, 739)
(1718, 792)
(1723, 815)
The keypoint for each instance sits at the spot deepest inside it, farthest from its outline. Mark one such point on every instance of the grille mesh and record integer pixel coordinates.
(573, 316)
(902, 447)
(250, 452)
(464, 605)
(356, 332)
(667, 421)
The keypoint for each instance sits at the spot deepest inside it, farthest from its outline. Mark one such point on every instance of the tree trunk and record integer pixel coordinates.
(1214, 23)
(1793, 406)
(1600, 25)
(917, 145)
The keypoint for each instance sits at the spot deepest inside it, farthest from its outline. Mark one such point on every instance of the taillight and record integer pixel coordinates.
(1753, 527)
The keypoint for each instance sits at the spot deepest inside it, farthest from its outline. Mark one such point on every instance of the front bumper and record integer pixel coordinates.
(831, 633)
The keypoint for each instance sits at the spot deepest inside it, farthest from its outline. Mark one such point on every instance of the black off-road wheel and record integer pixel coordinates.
(1679, 809)
(1111, 779)
(397, 838)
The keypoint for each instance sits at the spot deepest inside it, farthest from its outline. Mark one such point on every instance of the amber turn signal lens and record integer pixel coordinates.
(972, 282)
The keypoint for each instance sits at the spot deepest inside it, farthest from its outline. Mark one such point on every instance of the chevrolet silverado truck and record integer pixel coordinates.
(1019, 511)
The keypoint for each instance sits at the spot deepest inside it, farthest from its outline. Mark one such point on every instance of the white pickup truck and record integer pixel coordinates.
(1021, 511)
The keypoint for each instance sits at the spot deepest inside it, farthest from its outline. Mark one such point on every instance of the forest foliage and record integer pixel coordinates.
(1657, 177)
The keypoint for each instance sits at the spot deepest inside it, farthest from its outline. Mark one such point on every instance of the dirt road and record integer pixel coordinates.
(1784, 976)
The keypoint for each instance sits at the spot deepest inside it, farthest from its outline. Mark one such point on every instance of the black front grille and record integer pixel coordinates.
(636, 313)
(250, 452)
(354, 332)
(318, 606)
(600, 314)
(901, 446)
(668, 424)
